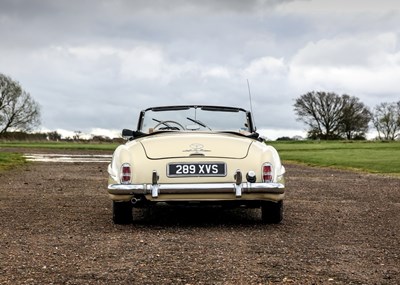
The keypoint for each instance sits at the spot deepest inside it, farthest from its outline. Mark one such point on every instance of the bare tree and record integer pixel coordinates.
(77, 135)
(322, 112)
(355, 118)
(53, 136)
(331, 116)
(18, 110)
(386, 119)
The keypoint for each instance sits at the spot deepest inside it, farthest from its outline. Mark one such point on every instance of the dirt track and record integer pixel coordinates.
(339, 227)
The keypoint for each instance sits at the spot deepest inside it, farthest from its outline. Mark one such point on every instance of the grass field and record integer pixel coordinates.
(374, 157)
(9, 160)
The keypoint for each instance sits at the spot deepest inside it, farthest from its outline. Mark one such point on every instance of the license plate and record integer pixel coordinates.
(196, 169)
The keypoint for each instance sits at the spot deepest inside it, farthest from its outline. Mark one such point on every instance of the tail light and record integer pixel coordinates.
(125, 173)
(267, 172)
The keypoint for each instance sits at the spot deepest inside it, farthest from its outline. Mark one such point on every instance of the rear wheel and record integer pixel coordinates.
(122, 212)
(272, 212)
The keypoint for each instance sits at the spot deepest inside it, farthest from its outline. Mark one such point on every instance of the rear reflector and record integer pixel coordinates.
(125, 173)
(267, 172)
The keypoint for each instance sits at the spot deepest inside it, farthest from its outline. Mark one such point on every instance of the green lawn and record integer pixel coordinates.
(374, 157)
(9, 160)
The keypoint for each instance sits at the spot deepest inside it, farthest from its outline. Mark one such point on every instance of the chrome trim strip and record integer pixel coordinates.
(246, 187)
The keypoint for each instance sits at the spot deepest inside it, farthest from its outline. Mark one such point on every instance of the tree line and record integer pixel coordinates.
(332, 116)
(54, 136)
(328, 115)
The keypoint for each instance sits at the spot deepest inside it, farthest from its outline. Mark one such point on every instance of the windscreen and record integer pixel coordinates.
(195, 119)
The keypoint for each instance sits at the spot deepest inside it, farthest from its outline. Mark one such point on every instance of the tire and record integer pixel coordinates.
(122, 213)
(272, 212)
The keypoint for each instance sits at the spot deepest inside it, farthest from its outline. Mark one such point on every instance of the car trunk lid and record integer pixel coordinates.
(179, 145)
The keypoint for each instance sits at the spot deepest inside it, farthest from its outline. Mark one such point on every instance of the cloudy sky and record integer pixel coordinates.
(93, 65)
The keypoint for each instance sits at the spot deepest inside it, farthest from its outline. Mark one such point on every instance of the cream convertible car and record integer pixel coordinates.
(196, 155)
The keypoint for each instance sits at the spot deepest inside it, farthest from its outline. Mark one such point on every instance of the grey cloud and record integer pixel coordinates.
(56, 50)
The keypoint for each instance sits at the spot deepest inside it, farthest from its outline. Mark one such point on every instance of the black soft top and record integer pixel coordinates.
(202, 107)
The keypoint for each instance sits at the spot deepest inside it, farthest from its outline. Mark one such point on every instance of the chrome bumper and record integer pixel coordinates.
(212, 188)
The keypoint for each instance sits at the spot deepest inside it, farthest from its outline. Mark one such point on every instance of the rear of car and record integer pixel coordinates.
(183, 164)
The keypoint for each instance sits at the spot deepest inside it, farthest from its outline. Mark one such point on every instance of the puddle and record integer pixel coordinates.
(42, 157)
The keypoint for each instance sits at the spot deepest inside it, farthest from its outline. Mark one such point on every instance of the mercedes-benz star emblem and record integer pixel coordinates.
(196, 148)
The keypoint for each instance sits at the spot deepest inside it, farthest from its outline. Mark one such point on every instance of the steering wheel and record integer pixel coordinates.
(168, 127)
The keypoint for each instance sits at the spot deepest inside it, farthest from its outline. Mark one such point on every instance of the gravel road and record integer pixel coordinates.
(339, 227)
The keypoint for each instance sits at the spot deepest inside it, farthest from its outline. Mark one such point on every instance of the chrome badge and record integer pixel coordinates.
(196, 148)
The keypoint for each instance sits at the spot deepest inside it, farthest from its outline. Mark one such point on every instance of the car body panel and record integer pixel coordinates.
(167, 145)
(133, 153)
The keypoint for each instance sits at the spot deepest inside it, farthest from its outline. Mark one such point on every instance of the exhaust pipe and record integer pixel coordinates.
(135, 200)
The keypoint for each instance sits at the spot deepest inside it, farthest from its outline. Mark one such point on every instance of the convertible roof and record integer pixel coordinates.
(202, 107)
